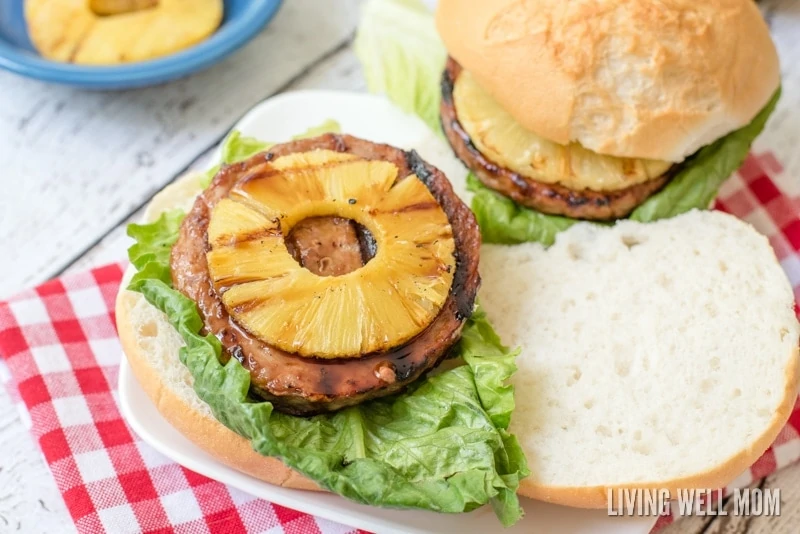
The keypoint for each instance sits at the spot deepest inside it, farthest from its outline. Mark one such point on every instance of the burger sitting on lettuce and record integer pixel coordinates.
(593, 110)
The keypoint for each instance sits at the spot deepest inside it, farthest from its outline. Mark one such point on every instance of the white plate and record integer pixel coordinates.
(372, 118)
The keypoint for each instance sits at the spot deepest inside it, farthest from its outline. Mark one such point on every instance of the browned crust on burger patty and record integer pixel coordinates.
(547, 198)
(306, 386)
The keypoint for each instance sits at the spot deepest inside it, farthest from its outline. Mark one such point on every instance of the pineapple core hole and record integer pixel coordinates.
(330, 246)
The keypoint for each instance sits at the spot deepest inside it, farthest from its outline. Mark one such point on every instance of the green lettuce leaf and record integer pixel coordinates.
(504, 221)
(697, 183)
(328, 126)
(236, 148)
(150, 253)
(443, 445)
(402, 56)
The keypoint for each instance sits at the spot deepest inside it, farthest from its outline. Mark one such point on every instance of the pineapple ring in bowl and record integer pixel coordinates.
(385, 303)
(109, 32)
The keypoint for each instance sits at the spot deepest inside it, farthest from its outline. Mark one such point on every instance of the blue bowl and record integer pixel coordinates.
(242, 21)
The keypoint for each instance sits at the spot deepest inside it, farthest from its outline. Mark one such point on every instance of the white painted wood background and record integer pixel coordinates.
(78, 165)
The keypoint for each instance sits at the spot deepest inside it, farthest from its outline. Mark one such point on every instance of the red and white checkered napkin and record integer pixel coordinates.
(61, 347)
(60, 344)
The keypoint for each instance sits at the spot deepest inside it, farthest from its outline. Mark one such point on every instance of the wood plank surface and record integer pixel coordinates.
(81, 164)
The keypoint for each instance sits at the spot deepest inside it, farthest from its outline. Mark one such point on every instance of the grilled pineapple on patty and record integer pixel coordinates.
(105, 32)
(381, 305)
(507, 143)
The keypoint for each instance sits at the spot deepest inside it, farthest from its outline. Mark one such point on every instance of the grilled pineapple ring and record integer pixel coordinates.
(106, 32)
(381, 305)
(506, 142)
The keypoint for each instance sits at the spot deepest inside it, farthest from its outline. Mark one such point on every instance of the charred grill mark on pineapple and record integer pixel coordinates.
(248, 305)
(267, 172)
(464, 277)
(246, 237)
(305, 386)
(420, 206)
(547, 198)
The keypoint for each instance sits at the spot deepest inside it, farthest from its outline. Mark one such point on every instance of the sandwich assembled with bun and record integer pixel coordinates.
(591, 109)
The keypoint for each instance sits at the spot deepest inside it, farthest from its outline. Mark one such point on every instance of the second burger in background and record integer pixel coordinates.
(587, 109)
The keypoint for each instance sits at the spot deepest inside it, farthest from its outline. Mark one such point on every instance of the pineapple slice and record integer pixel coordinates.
(507, 143)
(107, 32)
(116, 7)
(381, 305)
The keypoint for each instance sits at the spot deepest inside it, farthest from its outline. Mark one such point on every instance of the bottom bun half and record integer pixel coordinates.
(177, 402)
(151, 346)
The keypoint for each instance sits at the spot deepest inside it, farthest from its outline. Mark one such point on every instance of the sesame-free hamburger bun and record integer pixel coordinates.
(628, 78)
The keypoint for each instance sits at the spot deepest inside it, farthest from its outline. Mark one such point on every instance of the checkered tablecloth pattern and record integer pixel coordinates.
(62, 354)
(60, 345)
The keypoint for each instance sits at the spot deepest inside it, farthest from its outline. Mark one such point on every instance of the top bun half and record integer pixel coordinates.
(653, 79)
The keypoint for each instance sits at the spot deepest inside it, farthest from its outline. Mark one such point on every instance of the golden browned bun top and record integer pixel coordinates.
(653, 79)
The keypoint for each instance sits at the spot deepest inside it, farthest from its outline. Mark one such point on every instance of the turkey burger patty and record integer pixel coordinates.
(555, 197)
(231, 245)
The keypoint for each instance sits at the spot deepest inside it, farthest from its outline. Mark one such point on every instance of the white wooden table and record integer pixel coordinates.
(77, 166)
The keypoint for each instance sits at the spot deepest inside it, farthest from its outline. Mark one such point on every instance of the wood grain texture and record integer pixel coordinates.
(78, 162)
(62, 202)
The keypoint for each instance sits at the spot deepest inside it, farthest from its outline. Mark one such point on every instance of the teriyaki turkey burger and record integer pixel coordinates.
(601, 109)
